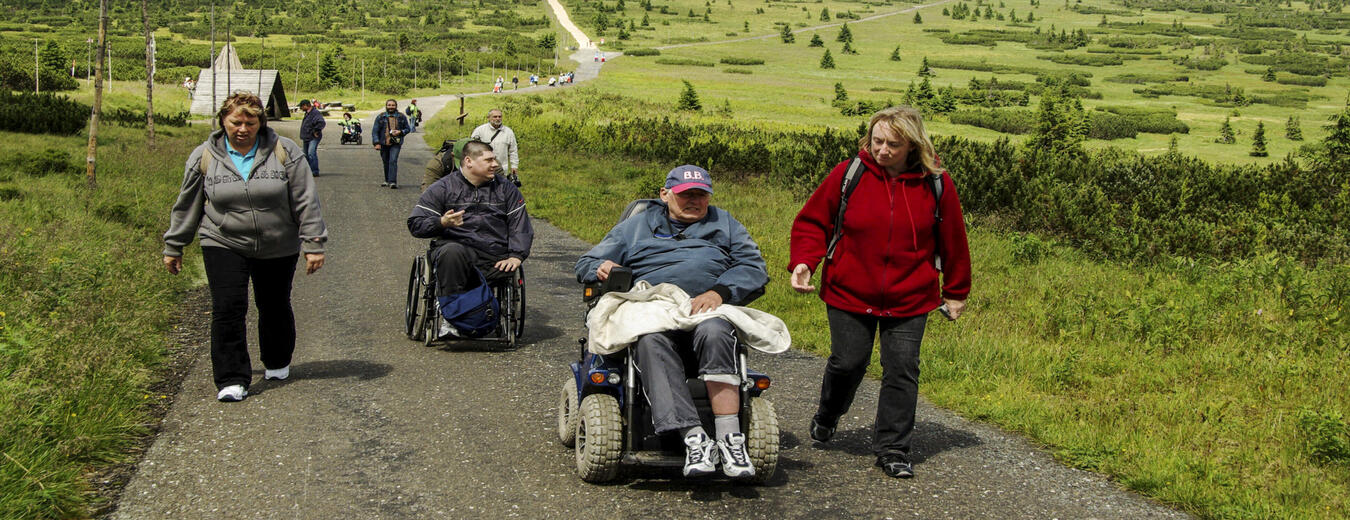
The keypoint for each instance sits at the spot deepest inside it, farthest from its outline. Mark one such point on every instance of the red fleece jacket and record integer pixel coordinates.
(883, 264)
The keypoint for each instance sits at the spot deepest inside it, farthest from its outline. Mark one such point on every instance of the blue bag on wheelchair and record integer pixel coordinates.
(473, 313)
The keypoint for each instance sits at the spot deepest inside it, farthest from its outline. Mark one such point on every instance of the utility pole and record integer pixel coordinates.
(149, 75)
(214, 105)
(91, 156)
(363, 79)
(229, 56)
(88, 59)
(261, 54)
(297, 76)
(37, 69)
(414, 72)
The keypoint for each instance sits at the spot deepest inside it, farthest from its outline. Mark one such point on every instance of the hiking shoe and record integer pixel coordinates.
(384, 185)
(735, 462)
(820, 432)
(393, 186)
(232, 393)
(278, 374)
(895, 466)
(700, 455)
(447, 331)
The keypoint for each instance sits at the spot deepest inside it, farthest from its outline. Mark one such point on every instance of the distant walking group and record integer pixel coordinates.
(885, 229)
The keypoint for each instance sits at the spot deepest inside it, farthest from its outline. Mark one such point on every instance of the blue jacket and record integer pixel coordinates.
(715, 254)
(495, 220)
(313, 122)
(378, 131)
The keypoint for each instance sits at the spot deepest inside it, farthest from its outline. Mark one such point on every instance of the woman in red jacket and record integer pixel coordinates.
(883, 274)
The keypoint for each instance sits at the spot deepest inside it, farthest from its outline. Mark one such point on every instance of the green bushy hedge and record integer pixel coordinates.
(44, 113)
(684, 61)
(1089, 60)
(642, 51)
(733, 60)
(136, 118)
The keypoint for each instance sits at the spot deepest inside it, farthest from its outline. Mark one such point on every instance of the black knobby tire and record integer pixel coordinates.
(762, 445)
(599, 438)
(568, 412)
(413, 308)
(517, 322)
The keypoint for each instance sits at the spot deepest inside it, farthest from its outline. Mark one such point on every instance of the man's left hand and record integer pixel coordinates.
(508, 265)
(704, 302)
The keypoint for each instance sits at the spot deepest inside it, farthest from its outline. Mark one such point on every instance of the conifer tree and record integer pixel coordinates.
(845, 35)
(1226, 133)
(786, 35)
(895, 54)
(824, 14)
(827, 61)
(917, 19)
(839, 93)
(816, 41)
(924, 70)
(1293, 131)
(1259, 141)
(1337, 141)
(848, 48)
(1270, 74)
(689, 99)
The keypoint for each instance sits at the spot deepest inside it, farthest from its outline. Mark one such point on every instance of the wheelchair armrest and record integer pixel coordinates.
(620, 280)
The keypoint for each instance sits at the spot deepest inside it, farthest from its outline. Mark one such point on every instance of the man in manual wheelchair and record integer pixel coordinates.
(688, 258)
(481, 233)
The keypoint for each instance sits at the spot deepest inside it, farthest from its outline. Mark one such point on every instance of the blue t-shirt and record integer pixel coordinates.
(243, 163)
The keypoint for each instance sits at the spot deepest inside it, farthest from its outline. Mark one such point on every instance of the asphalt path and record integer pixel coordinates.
(372, 425)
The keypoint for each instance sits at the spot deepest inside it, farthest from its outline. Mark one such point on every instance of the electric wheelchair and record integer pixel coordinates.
(604, 416)
(422, 323)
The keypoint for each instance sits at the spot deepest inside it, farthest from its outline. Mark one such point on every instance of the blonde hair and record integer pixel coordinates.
(907, 122)
(245, 101)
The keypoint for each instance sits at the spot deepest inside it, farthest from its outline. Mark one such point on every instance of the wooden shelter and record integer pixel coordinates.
(230, 75)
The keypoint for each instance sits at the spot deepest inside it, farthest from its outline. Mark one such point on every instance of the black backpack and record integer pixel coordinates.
(850, 182)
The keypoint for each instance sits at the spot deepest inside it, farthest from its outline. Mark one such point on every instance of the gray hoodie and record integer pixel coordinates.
(274, 213)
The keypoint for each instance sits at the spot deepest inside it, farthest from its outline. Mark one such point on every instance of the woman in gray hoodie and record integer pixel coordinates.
(258, 196)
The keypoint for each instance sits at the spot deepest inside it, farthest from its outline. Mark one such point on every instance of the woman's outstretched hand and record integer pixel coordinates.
(801, 279)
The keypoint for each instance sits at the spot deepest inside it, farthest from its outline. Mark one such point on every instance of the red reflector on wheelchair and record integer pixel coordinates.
(598, 378)
(762, 383)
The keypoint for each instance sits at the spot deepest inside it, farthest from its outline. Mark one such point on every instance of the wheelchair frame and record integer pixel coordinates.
(422, 323)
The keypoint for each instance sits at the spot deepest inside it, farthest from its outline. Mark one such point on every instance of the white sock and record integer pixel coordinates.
(693, 431)
(727, 424)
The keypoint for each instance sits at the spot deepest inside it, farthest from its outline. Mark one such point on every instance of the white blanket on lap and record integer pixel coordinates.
(618, 319)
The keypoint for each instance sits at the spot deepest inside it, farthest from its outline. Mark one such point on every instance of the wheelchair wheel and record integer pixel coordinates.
(567, 412)
(515, 311)
(599, 438)
(414, 309)
(762, 444)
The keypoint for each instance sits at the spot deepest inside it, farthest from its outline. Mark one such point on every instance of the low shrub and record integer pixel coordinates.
(1088, 60)
(44, 113)
(642, 51)
(136, 118)
(1305, 81)
(732, 60)
(1141, 78)
(50, 161)
(684, 61)
(737, 70)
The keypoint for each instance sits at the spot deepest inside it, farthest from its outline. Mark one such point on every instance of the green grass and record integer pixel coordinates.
(791, 88)
(85, 311)
(1180, 380)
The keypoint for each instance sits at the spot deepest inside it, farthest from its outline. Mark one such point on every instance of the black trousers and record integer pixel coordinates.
(851, 337)
(228, 273)
(456, 265)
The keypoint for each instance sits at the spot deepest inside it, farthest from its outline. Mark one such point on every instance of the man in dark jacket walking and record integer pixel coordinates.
(477, 220)
(387, 134)
(311, 131)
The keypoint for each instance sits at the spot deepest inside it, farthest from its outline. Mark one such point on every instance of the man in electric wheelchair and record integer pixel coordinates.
(711, 257)
(480, 228)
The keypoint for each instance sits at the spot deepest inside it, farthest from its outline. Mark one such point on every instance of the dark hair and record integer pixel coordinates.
(475, 149)
(305, 103)
(391, 99)
(242, 100)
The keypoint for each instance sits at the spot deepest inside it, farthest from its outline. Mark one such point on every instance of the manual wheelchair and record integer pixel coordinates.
(604, 416)
(422, 323)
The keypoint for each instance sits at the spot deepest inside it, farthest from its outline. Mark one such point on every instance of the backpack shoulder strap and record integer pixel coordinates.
(281, 153)
(204, 163)
(846, 187)
(935, 185)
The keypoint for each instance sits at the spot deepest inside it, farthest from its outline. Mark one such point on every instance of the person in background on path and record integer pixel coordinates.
(311, 131)
(515, 82)
(710, 256)
(414, 116)
(497, 85)
(387, 134)
(901, 253)
(262, 211)
(552, 81)
(534, 80)
(503, 142)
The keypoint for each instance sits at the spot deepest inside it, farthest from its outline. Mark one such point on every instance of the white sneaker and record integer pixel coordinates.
(447, 330)
(278, 374)
(232, 393)
(735, 462)
(700, 455)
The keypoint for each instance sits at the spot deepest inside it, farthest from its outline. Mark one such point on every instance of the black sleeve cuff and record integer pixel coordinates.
(723, 291)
